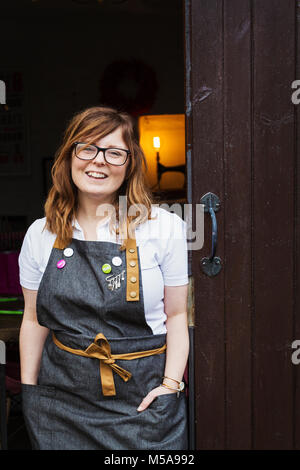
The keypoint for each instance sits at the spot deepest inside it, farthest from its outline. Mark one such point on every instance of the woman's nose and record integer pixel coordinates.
(100, 157)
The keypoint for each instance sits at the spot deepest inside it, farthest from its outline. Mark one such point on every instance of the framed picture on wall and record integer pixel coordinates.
(14, 135)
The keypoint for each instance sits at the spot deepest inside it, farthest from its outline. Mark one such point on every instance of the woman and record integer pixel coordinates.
(104, 337)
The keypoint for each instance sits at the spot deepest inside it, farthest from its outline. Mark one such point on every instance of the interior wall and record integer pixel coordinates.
(63, 53)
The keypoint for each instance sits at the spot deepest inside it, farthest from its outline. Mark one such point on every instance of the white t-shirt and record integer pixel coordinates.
(163, 257)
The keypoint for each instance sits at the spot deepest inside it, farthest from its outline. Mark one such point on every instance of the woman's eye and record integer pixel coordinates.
(114, 153)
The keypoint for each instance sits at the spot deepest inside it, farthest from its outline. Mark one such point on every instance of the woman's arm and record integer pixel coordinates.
(175, 300)
(32, 339)
(177, 333)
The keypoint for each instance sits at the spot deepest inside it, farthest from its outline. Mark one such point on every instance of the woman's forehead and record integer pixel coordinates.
(115, 137)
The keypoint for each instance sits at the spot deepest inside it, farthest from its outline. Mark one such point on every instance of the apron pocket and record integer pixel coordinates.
(164, 424)
(68, 371)
(160, 400)
(31, 389)
(36, 405)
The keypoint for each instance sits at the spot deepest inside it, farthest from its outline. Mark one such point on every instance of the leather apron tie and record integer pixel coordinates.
(102, 352)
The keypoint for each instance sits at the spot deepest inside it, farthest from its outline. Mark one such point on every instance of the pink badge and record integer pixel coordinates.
(61, 263)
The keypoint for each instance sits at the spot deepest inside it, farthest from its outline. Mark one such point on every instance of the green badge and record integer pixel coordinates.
(106, 268)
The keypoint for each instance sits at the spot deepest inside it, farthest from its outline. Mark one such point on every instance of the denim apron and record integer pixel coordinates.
(67, 409)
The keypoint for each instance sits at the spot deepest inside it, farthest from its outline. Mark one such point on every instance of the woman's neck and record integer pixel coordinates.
(92, 210)
(90, 213)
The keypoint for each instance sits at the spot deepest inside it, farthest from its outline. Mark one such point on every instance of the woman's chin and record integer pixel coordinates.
(95, 193)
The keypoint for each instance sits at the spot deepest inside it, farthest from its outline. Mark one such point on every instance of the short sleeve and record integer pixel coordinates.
(30, 274)
(174, 265)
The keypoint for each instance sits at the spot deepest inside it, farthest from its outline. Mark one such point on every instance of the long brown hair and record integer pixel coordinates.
(62, 201)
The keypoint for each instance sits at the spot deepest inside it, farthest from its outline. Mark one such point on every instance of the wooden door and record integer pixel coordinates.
(243, 145)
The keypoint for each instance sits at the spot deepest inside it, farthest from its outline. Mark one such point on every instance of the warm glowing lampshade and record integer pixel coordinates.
(164, 133)
(156, 142)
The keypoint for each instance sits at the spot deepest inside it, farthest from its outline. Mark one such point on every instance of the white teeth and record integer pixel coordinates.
(96, 175)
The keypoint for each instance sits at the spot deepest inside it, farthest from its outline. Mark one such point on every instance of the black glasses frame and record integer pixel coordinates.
(101, 149)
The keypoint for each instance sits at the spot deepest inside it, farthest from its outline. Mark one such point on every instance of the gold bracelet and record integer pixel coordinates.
(171, 388)
(165, 377)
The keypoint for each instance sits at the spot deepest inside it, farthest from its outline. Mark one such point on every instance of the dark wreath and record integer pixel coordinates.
(129, 85)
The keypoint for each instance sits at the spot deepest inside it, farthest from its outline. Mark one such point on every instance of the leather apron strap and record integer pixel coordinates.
(132, 269)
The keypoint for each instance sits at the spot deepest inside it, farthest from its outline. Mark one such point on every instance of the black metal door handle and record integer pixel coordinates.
(211, 266)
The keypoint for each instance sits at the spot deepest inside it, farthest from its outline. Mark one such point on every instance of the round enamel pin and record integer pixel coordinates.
(68, 252)
(106, 268)
(61, 263)
(116, 261)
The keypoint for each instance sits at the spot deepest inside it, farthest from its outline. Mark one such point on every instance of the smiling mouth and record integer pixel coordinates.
(96, 175)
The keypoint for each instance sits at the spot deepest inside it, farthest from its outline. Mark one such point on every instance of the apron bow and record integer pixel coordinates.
(102, 352)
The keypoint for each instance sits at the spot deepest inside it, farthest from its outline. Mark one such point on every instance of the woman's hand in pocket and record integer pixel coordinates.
(152, 395)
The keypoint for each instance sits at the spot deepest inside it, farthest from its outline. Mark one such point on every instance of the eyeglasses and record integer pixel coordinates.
(113, 156)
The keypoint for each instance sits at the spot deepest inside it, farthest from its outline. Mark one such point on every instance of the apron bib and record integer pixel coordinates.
(69, 408)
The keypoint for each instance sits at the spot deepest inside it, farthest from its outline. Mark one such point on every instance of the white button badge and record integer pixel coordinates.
(116, 261)
(68, 252)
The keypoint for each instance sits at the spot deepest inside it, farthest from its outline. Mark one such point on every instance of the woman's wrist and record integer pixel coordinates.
(168, 389)
(171, 379)
(174, 383)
